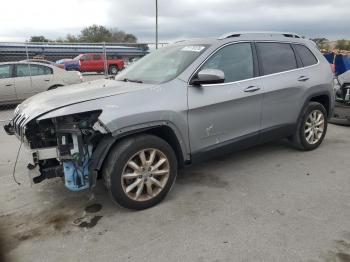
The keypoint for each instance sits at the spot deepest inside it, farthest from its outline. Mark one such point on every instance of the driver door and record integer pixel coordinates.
(223, 114)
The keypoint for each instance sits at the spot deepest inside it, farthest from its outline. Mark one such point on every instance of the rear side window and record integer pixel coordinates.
(236, 61)
(35, 70)
(40, 70)
(276, 57)
(5, 71)
(306, 56)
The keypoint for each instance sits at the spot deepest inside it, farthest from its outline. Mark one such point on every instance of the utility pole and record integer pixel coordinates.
(156, 24)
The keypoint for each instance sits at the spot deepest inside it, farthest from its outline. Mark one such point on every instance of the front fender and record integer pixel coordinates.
(104, 146)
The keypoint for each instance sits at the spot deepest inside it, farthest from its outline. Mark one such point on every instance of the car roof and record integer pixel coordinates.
(25, 62)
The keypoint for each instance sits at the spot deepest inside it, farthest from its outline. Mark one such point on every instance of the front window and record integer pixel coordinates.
(82, 58)
(163, 64)
(78, 57)
(5, 71)
(236, 61)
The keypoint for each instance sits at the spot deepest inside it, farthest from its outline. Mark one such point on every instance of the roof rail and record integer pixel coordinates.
(260, 33)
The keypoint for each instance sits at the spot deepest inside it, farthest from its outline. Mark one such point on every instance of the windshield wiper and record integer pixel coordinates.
(132, 80)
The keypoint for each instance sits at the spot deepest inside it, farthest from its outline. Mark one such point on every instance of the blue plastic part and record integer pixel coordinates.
(342, 62)
(76, 176)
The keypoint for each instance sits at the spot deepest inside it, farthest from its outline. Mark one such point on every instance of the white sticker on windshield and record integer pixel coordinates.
(193, 48)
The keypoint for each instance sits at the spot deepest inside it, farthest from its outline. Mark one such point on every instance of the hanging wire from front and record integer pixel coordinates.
(14, 167)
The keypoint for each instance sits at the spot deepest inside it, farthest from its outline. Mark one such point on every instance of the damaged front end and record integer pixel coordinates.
(342, 99)
(60, 146)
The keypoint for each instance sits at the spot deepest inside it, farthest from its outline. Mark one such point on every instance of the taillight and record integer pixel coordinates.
(333, 68)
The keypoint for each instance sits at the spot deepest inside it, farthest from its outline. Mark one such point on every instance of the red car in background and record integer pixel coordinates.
(97, 63)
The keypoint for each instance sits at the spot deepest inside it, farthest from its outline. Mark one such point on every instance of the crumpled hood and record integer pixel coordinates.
(73, 94)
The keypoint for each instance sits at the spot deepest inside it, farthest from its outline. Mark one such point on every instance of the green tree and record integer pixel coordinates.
(94, 34)
(39, 38)
(322, 43)
(119, 36)
(72, 38)
(342, 45)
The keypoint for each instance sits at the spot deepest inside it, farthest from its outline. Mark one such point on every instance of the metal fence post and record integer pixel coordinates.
(105, 59)
(29, 67)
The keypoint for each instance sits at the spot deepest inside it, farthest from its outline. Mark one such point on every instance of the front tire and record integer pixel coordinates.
(140, 171)
(311, 128)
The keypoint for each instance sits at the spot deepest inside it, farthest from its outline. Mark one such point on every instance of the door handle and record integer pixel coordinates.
(303, 78)
(47, 80)
(251, 89)
(8, 85)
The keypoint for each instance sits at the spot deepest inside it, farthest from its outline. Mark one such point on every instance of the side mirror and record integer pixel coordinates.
(208, 76)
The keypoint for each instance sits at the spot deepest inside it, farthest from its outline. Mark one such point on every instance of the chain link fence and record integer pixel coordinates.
(27, 69)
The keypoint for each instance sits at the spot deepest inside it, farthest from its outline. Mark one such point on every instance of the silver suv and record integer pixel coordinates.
(180, 104)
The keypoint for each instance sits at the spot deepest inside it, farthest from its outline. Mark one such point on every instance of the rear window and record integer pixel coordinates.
(96, 57)
(276, 57)
(306, 56)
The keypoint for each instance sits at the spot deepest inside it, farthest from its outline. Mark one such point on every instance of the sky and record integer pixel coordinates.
(178, 19)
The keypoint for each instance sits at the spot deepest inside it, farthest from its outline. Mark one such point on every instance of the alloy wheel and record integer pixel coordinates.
(145, 174)
(314, 126)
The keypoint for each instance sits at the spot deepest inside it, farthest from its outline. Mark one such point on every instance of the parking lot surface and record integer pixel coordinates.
(268, 203)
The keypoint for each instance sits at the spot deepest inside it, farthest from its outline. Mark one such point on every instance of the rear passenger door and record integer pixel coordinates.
(222, 114)
(7, 84)
(283, 88)
(309, 70)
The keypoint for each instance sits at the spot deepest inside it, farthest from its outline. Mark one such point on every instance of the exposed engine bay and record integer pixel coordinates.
(62, 147)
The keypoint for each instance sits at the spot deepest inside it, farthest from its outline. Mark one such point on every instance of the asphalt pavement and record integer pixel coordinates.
(268, 203)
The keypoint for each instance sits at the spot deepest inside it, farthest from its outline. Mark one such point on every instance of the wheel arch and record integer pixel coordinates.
(106, 144)
(54, 86)
(324, 98)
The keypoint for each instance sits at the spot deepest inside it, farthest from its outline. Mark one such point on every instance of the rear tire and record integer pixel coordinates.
(140, 171)
(311, 128)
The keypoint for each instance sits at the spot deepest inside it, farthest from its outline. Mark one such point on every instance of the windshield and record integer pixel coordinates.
(162, 65)
(77, 57)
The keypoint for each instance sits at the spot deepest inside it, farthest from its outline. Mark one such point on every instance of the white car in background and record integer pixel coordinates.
(20, 80)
